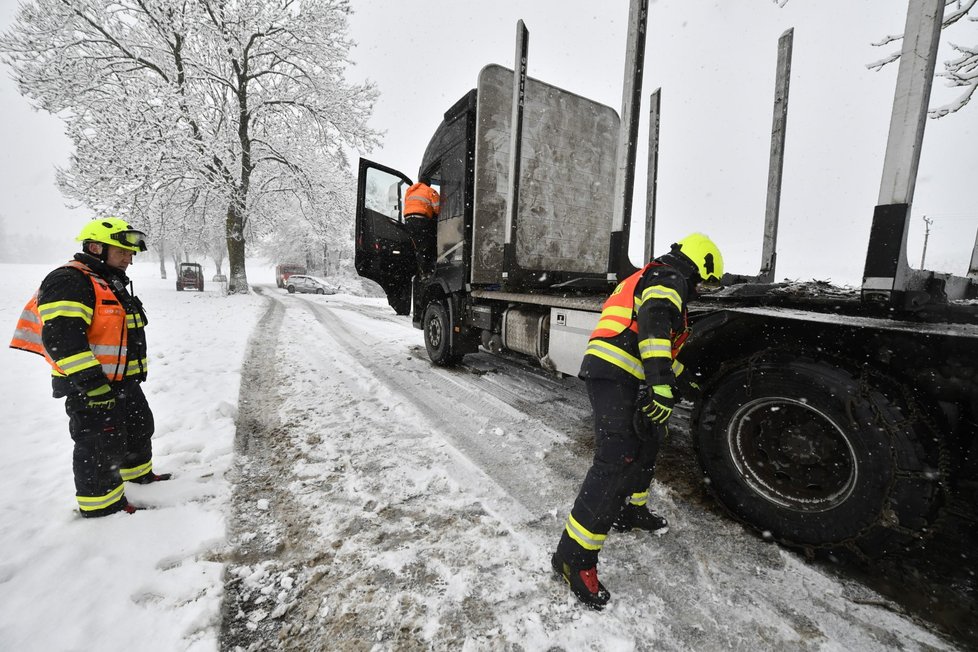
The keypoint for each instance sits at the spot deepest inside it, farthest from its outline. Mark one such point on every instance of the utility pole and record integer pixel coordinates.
(923, 254)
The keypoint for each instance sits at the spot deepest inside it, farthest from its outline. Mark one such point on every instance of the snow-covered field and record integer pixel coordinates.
(149, 580)
(369, 502)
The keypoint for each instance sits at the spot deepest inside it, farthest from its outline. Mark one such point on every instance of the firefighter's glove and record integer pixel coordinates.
(687, 387)
(101, 398)
(105, 404)
(659, 407)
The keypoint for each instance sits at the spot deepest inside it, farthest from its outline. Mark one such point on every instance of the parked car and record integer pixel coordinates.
(307, 285)
(285, 270)
(190, 276)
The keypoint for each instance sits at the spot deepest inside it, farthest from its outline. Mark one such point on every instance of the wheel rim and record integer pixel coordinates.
(434, 332)
(792, 454)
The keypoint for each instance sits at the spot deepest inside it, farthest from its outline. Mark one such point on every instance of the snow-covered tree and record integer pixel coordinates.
(184, 113)
(961, 71)
(310, 233)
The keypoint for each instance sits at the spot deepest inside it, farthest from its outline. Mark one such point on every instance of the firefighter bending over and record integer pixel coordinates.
(633, 377)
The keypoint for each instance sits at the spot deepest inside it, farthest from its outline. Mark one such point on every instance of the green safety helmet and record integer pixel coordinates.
(115, 232)
(704, 254)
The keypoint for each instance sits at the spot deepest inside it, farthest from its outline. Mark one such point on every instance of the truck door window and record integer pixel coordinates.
(384, 194)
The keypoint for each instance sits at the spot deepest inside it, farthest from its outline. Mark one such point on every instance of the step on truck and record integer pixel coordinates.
(831, 418)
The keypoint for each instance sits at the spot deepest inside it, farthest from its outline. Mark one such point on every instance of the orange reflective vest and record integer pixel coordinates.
(620, 313)
(107, 331)
(422, 199)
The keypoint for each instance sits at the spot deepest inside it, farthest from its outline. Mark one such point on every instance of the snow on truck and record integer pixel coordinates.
(847, 418)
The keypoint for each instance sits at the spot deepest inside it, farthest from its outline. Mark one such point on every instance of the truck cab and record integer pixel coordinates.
(385, 252)
(504, 259)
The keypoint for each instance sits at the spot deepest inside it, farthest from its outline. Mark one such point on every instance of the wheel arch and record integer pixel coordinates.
(942, 371)
(438, 290)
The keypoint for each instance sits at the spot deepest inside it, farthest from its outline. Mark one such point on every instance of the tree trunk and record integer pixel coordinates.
(162, 250)
(239, 201)
(219, 260)
(238, 281)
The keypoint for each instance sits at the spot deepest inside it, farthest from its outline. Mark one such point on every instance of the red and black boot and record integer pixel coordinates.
(583, 582)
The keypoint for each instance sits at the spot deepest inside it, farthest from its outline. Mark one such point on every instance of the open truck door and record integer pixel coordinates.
(384, 250)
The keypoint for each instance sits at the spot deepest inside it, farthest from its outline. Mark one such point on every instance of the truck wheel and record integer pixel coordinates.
(179, 287)
(437, 332)
(812, 455)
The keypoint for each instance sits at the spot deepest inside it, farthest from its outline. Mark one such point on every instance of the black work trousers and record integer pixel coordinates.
(624, 463)
(423, 232)
(109, 442)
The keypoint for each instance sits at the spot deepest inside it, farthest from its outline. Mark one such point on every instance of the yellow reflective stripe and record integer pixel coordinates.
(98, 391)
(91, 503)
(134, 321)
(65, 309)
(587, 539)
(616, 356)
(134, 367)
(78, 362)
(617, 311)
(655, 348)
(136, 471)
(662, 292)
(677, 368)
(609, 324)
(639, 498)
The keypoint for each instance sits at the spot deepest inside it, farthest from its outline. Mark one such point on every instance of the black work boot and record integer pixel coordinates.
(151, 477)
(637, 517)
(583, 582)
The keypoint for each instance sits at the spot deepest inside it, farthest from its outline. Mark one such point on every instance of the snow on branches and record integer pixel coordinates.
(959, 71)
(199, 119)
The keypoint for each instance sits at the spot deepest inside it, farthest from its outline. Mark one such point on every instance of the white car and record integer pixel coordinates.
(307, 285)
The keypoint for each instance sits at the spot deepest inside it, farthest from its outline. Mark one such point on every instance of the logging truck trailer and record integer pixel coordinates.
(830, 417)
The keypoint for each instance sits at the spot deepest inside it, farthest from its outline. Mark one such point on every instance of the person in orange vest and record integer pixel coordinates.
(90, 329)
(422, 206)
(633, 377)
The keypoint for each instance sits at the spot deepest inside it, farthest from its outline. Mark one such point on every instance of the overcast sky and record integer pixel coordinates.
(715, 64)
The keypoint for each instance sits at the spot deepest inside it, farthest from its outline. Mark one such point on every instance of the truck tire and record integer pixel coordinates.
(814, 456)
(437, 335)
(290, 289)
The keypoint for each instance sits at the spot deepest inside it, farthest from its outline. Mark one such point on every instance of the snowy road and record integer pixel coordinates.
(382, 503)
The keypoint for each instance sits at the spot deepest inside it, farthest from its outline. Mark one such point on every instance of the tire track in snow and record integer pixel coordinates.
(476, 418)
